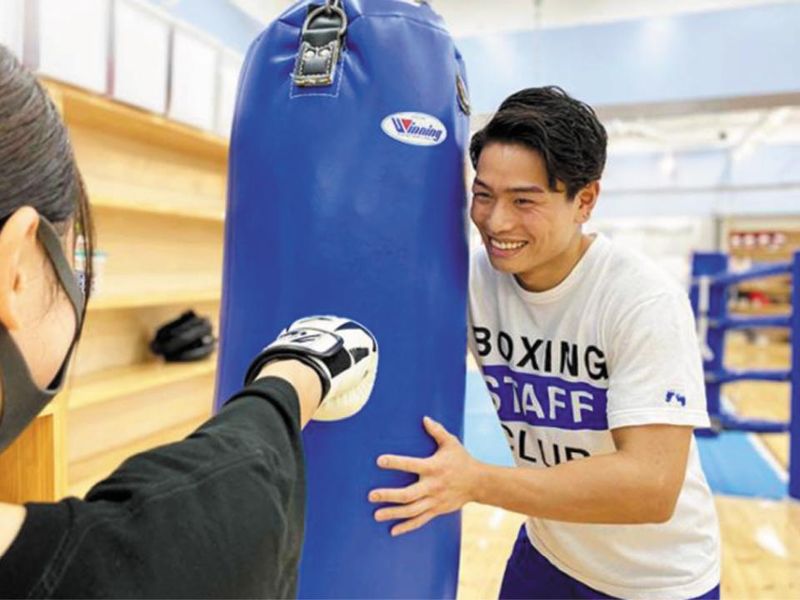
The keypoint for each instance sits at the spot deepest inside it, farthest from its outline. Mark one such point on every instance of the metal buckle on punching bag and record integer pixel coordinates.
(320, 45)
(463, 95)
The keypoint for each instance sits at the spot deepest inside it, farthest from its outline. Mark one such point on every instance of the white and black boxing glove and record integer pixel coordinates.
(344, 354)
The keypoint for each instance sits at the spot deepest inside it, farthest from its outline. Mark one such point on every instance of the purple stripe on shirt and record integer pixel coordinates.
(546, 401)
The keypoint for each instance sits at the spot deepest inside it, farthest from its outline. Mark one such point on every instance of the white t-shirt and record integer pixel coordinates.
(613, 345)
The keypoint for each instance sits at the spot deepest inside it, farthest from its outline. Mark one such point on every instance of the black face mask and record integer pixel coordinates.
(22, 398)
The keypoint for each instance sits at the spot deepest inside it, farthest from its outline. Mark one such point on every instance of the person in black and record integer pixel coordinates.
(219, 514)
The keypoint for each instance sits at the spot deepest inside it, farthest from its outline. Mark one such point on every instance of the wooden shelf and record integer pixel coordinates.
(30, 468)
(50, 409)
(122, 381)
(762, 255)
(158, 188)
(777, 286)
(200, 213)
(93, 110)
(768, 309)
(145, 299)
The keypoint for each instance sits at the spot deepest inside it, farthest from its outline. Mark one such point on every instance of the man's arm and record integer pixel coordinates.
(639, 483)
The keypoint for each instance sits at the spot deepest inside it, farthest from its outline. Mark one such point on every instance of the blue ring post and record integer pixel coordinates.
(716, 264)
(794, 415)
(710, 264)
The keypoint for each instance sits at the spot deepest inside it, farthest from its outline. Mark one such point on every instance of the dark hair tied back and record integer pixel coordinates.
(37, 165)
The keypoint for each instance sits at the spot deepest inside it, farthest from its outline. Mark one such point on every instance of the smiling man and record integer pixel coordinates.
(589, 353)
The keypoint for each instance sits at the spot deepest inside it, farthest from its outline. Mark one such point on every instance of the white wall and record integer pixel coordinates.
(11, 21)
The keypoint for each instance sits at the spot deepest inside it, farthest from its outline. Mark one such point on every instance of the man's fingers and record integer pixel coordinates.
(403, 463)
(406, 511)
(436, 430)
(404, 495)
(412, 524)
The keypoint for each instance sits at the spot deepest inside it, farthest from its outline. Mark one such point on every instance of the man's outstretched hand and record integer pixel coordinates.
(447, 481)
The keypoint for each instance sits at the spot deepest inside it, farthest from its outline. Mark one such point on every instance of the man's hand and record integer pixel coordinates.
(447, 481)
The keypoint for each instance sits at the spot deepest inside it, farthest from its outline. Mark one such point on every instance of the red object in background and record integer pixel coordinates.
(758, 299)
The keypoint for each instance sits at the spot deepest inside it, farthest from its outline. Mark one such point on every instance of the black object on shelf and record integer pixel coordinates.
(185, 339)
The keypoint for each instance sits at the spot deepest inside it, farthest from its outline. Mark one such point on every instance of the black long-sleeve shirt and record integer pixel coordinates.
(219, 514)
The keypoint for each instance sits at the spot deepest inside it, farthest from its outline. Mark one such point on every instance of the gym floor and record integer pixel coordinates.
(760, 537)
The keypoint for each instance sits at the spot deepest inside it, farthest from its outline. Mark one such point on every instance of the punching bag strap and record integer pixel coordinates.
(320, 45)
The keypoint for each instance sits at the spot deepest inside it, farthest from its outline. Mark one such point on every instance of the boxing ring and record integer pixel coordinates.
(711, 280)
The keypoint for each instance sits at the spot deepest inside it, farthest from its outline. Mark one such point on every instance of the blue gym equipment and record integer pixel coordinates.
(346, 196)
(709, 296)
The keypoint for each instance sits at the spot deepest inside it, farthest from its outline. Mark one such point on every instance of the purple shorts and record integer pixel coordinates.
(530, 575)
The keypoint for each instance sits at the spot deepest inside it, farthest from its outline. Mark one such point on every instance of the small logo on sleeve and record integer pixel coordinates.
(679, 398)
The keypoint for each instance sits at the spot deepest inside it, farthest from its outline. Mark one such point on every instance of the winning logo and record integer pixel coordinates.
(417, 129)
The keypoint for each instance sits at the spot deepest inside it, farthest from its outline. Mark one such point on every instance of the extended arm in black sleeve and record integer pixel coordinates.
(219, 514)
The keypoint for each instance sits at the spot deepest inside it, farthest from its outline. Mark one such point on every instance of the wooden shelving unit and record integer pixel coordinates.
(774, 286)
(119, 301)
(102, 114)
(84, 473)
(124, 204)
(157, 190)
(134, 379)
(770, 310)
(762, 241)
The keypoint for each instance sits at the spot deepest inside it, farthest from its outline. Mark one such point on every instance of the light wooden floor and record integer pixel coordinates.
(760, 538)
(760, 549)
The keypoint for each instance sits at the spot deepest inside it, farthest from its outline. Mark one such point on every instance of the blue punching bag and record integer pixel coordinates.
(346, 196)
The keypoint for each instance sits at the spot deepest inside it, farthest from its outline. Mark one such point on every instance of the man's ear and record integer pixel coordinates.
(586, 200)
(17, 241)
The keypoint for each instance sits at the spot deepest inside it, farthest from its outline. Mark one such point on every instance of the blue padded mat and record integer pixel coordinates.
(734, 467)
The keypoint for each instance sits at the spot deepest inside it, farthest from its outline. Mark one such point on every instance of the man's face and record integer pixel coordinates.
(526, 228)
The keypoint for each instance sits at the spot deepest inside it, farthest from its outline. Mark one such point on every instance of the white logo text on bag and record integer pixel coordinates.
(417, 129)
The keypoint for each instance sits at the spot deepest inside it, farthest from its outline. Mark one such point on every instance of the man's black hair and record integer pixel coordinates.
(564, 131)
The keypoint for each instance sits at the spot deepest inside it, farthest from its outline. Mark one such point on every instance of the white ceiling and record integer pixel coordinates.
(479, 17)
(739, 131)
